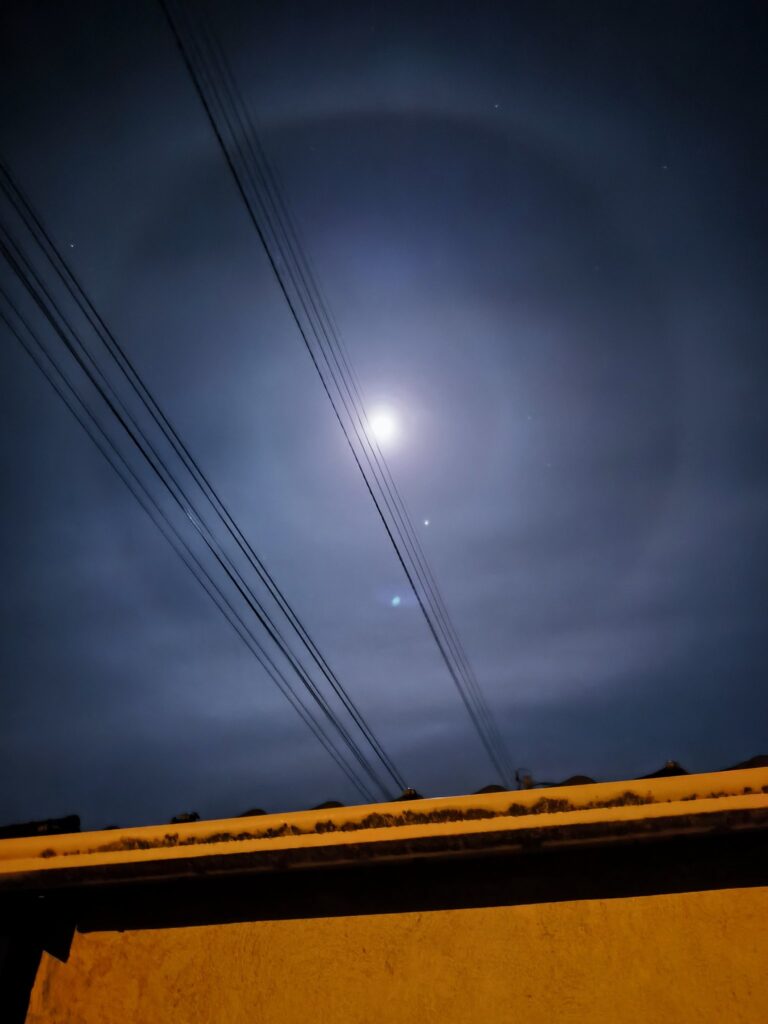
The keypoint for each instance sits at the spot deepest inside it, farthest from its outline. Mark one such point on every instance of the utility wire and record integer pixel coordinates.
(77, 406)
(472, 698)
(117, 353)
(276, 210)
(31, 282)
(297, 285)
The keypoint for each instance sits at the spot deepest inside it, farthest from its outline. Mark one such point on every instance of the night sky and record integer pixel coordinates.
(541, 228)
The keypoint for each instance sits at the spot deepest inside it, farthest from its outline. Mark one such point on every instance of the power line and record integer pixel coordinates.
(120, 358)
(42, 298)
(257, 188)
(276, 210)
(468, 687)
(77, 406)
(182, 501)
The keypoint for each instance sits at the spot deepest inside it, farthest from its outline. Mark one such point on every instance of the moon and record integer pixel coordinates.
(384, 425)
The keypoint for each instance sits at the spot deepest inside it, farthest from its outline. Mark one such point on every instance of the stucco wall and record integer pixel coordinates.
(695, 957)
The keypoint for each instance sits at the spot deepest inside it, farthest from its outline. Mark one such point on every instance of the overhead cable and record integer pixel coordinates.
(256, 183)
(119, 357)
(42, 297)
(78, 407)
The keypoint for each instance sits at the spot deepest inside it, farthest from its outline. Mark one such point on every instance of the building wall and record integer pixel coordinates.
(683, 958)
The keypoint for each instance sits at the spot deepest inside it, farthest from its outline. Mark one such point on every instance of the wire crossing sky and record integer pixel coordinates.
(97, 378)
(237, 137)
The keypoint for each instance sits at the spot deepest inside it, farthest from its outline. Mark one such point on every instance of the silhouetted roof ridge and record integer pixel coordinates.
(758, 761)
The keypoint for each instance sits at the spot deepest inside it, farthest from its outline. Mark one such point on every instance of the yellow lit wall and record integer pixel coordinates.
(670, 959)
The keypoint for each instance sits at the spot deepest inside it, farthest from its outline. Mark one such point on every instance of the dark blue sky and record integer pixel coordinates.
(541, 228)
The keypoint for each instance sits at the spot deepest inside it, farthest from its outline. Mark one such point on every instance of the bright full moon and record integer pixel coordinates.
(384, 425)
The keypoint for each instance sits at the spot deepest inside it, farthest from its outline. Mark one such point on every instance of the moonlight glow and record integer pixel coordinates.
(384, 425)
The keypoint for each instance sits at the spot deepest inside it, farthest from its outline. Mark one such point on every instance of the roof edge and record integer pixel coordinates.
(507, 821)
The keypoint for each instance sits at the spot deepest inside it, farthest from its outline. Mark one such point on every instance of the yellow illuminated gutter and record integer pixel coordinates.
(680, 803)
